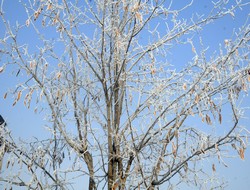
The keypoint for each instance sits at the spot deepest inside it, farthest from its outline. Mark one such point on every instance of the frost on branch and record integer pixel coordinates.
(134, 94)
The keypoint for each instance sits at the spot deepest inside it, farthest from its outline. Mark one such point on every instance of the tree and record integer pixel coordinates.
(119, 112)
(2, 150)
(2, 122)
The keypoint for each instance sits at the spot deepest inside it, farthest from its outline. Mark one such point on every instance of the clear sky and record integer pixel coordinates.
(25, 124)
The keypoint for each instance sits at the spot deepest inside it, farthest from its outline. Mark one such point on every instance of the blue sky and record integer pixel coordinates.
(24, 123)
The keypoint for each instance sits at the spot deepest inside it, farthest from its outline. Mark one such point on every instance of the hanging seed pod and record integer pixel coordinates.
(197, 99)
(184, 86)
(14, 103)
(5, 95)
(19, 95)
(242, 153)
(49, 7)
(58, 75)
(213, 167)
(208, 120)
(220, 118)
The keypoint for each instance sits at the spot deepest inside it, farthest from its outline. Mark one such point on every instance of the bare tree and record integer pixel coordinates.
(119, 112)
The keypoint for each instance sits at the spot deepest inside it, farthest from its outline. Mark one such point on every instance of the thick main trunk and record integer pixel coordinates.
(88, 159)
(110, 148)
(91, 184)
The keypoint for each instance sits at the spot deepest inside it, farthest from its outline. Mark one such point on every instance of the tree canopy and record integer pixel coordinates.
(122, 113)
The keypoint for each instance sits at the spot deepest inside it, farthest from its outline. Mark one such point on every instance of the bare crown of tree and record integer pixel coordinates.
(120, 114)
